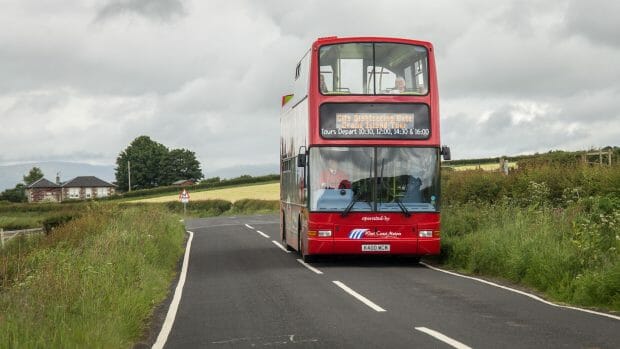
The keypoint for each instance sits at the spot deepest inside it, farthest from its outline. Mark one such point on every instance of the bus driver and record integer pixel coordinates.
(333, 178)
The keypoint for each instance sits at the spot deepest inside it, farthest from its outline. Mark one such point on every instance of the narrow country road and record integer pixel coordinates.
(244, 291)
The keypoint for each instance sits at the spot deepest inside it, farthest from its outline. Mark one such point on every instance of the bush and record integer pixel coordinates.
(204, 208)
(255, 206)
(54, 222)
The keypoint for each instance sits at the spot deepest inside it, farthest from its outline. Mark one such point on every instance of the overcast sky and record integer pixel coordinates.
(80, 79)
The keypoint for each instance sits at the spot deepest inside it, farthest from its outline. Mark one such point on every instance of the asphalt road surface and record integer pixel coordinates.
(243, 291)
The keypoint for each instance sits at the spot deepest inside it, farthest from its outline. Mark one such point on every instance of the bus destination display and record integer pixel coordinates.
(410, 121)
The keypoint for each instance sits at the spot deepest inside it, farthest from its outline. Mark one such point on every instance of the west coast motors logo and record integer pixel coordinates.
(357, 234)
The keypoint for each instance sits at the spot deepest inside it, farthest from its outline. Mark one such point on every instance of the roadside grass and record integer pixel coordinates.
(567, 248)
(91, 283)
(19, 221)
(16, 216)
(267, 191)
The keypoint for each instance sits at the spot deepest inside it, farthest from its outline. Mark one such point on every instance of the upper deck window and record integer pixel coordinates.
(373, 69)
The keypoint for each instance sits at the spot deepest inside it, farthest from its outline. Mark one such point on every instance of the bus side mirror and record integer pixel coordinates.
(301, 160)
(445, 151)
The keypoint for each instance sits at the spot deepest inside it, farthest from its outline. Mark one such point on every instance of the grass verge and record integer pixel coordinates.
(570, 254)
(91, 283)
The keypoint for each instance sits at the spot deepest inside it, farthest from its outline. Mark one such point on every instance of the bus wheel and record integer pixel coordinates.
(302, 252)
(283, 235)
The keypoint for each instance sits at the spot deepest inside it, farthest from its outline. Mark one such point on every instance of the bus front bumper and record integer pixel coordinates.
(413, 247)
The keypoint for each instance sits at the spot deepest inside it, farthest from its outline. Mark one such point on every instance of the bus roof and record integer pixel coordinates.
(329, 40)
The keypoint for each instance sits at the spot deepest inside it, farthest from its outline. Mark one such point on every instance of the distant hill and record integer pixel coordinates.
(10, 175)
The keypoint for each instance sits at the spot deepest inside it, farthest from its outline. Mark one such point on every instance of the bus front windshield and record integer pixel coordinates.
(374, 179)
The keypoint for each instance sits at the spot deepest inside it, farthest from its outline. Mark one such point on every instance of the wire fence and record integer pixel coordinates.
(9, 234)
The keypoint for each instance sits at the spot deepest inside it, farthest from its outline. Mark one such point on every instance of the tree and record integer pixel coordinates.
(34, 175)
(146, 157)
(180, 164)
(17, 194)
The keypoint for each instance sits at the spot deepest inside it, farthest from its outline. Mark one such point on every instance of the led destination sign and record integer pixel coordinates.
(407, 121)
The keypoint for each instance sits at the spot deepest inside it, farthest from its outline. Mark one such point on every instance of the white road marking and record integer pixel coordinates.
(442, 337)
(249, 226)
(534, 297)
(309, 266)
(176, 299)
(263, 234)
(359, 297)
(280, 246)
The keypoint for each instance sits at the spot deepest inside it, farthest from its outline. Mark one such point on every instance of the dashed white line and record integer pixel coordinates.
(249, 226)
(522, 293)
(442, 337)
(176, 299)
(280, 246)
(359, 297)
(309, 266)
(263, 234)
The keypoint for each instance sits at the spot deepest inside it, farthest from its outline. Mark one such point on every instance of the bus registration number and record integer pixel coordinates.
(375, 248)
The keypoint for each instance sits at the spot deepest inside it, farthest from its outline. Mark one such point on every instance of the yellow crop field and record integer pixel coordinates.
(270, 191)
(485, 167)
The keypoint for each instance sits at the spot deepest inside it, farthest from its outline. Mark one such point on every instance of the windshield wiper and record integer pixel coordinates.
(400, 203)
(355, 199)
(402, 207)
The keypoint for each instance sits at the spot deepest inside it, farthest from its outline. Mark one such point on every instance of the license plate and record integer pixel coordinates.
(375, 248)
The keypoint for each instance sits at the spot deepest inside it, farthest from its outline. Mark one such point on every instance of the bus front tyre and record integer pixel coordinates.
(305, 257)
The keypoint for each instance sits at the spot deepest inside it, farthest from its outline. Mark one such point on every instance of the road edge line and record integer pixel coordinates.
(443, 338)
(176, 299)
(523, 293)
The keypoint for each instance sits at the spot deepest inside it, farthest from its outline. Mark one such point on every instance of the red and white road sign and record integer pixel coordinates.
(184, 196)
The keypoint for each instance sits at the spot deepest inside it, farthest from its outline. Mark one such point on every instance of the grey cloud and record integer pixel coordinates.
(164, 10)
(212, 81)
(596, 20)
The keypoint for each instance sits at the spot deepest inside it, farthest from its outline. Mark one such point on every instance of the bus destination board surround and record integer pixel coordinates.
(379, 121)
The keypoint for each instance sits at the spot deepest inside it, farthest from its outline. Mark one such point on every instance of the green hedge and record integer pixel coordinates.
(208, 184)
(545, 184)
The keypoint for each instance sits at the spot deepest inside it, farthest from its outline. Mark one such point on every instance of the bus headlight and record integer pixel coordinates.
(325, 233)
(425, 234)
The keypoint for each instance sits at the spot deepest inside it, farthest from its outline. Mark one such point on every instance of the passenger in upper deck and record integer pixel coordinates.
(322, 84)
(399, 85)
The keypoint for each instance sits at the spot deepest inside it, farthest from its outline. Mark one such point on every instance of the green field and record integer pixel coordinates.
(269, 191)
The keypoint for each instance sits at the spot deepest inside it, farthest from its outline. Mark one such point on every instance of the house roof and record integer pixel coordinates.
(181, 181)
(87, 181)
(43, 183)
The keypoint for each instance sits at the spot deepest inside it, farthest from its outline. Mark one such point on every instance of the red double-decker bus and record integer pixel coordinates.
(360, 150)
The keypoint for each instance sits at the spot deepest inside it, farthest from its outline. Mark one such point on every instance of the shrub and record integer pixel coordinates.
(54, 222)
(254, 205)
